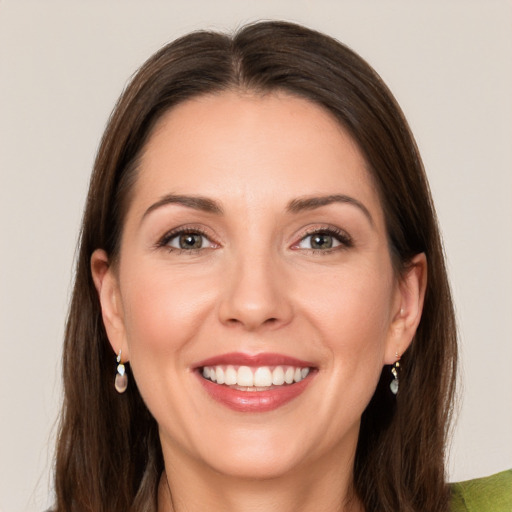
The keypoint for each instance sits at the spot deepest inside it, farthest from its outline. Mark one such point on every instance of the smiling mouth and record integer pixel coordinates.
(260, 378)
(254, 383)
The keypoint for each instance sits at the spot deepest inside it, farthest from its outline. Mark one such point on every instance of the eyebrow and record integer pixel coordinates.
(203, 204)
(313, 202)
(297, 205)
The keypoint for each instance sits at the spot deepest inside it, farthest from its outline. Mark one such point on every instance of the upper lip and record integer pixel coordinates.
(262, 359)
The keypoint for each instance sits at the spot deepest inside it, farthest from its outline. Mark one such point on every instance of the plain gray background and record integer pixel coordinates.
(62, 66)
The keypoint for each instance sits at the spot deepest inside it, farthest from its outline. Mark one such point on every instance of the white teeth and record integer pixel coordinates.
(278, 376)
(220, 375)
(254, 378)
(230, 376)
(263, 377)
(245, 376)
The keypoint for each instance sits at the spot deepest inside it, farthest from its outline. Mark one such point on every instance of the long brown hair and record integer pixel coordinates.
(109, 456)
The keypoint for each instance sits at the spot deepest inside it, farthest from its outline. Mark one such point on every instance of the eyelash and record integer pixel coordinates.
(164, 241)
(344, 239)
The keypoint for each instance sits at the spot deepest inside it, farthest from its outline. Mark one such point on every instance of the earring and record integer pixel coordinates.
(394, 370)
(121, 382)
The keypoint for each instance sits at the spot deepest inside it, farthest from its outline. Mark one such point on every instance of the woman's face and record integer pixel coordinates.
(254, 254)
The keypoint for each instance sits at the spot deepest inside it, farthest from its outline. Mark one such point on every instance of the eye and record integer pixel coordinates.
(186, 240)
(324, 240)
(318, 241)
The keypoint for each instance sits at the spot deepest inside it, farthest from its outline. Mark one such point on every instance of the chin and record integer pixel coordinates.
(254, 465)
(257, 454)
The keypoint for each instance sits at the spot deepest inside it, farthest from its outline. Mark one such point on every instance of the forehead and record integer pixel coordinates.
(240, 146)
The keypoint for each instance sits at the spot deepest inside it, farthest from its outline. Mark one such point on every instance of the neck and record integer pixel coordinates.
(303, 491)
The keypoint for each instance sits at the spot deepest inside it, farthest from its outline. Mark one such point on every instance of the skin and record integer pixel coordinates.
(256, 286)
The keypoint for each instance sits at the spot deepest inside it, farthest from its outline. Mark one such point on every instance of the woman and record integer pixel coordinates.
(261, 272)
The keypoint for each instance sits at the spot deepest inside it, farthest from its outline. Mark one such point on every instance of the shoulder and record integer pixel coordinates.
(489, 494)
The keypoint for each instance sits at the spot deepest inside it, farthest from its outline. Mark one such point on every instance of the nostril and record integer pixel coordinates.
(268, 321)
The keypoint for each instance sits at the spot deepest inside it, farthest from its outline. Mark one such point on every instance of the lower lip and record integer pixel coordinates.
(254, 401)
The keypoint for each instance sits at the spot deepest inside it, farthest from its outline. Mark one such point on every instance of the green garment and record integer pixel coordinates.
(490, 494)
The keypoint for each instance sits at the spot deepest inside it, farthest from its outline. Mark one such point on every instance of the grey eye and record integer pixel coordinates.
(319, 241)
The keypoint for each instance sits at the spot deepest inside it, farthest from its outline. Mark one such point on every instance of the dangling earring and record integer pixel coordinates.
(394, 370)
(121, 382)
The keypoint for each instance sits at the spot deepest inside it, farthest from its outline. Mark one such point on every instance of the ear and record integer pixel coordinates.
(407, 308)
(107, 286)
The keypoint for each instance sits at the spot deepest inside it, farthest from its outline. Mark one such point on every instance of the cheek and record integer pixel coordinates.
(162, 311)
(353, 307)
(352, 316)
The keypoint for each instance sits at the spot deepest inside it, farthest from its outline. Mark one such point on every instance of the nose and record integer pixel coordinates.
(255, 294)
